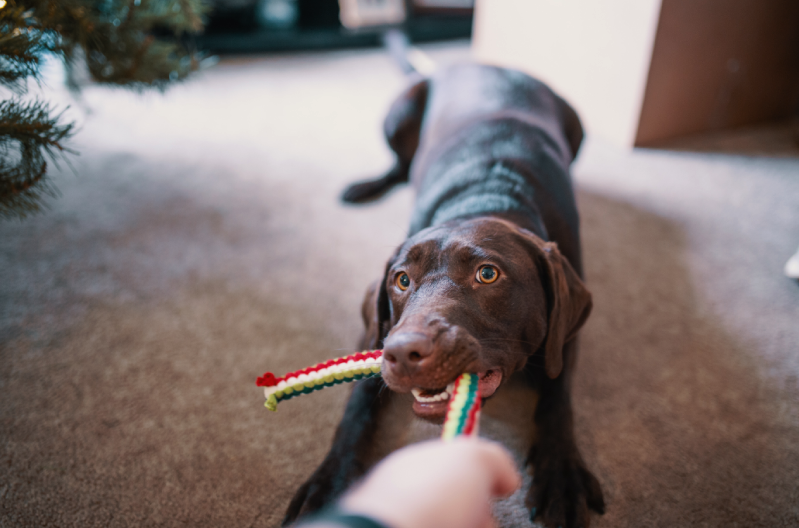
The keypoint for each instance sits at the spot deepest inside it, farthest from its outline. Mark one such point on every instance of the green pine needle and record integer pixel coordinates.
(30, 136)
(120, 43)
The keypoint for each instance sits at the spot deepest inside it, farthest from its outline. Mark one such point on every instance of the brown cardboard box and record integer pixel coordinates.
(641, 72)
(720, 64)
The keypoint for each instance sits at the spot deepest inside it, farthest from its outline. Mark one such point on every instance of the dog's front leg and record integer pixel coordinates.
(563, 488)
(347, 459)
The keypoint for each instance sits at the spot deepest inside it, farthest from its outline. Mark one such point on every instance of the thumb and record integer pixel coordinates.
(505, 478)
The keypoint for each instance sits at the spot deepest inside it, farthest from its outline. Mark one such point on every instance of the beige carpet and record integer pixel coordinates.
(200, 242)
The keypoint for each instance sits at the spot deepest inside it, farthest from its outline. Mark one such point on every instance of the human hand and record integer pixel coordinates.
(436, 484)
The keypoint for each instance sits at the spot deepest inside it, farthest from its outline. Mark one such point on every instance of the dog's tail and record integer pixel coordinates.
(410, 59)
(404, 120)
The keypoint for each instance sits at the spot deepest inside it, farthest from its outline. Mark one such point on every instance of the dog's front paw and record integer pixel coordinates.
(316, 493)
(562, 492)
(310, 497)
(324, 486)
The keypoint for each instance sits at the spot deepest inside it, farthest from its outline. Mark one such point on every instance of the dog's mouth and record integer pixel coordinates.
(431, 404)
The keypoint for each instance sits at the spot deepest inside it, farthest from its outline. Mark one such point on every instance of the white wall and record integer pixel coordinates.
(595, 53)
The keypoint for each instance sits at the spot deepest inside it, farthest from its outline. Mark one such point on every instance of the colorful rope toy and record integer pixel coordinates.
(464, 405)
(464, 408)
(327, 374)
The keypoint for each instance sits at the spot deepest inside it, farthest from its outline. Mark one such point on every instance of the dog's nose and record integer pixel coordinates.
(407, 349)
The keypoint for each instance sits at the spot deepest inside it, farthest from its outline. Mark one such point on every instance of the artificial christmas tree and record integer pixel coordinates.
(119, 41)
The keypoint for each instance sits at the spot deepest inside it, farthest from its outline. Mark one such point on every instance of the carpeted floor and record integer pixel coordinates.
(200, 242)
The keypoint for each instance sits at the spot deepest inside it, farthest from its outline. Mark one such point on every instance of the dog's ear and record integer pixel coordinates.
(569, 304)
(383, 304)
(371, 334)
(376, 312)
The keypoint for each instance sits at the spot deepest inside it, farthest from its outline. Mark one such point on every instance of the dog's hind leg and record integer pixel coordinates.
(402, 127)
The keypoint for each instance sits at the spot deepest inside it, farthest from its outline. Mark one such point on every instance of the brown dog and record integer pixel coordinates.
(488, 281)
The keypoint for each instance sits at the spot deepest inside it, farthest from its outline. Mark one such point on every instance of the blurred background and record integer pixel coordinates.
(278, 25)
(195, 239)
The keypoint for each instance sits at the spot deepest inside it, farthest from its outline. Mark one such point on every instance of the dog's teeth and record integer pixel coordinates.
(450, 389)
(441, 396)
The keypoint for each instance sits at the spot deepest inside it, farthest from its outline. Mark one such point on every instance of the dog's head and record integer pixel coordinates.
(480, 296)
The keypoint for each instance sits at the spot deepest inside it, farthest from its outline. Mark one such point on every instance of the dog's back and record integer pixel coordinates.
(497, 141)
(465, 95)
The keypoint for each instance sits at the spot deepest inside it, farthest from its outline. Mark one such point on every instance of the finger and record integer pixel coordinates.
(490, 522)
(503, 474)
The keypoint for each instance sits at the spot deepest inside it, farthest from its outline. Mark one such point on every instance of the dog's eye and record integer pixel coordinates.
(487, 274)
(403, 281)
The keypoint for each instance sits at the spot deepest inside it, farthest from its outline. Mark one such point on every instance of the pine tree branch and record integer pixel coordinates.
(29, 134)
(21, 49)
(119, 39)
